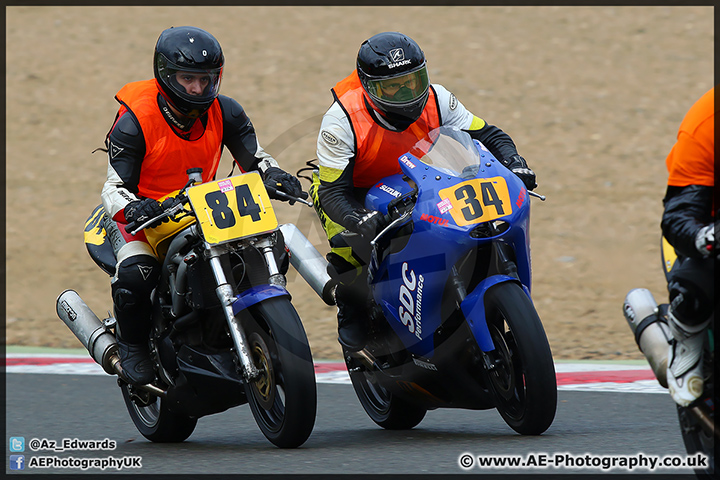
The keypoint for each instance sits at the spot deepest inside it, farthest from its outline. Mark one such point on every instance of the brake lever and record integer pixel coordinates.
(537, 195)
(392, 225)
(171, 212)
(289, 197)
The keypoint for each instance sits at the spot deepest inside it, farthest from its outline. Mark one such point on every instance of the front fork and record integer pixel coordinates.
(227, 297)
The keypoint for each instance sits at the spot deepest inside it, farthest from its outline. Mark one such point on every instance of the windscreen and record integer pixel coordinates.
(450, 150)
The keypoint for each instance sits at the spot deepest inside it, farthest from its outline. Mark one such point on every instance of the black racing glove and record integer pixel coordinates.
(278, 179)
(519, 167)
(140, 211)
(366, 223)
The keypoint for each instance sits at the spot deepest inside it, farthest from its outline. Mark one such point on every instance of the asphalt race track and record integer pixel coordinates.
(592, 424)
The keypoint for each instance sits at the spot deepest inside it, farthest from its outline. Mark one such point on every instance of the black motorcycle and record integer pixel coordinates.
(224, 330)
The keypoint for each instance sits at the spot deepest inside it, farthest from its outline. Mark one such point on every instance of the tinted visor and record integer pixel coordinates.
(193, 85)
(401, 89)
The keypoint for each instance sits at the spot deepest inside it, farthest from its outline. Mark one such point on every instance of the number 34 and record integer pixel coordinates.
(478, 200)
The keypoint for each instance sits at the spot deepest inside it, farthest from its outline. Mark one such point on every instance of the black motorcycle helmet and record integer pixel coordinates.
(189, 50)
(394, 76)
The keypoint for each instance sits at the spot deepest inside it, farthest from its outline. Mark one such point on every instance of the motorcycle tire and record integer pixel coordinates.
(524, 380)
(283, 399)
(696, 439)
(383, 408)
(154, 421)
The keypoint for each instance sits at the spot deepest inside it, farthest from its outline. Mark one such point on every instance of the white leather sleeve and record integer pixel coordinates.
(452, 112)
(336, 142)
(114, 196)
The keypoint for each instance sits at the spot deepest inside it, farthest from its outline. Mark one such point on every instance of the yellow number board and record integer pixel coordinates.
(233, 208)
(477, 200)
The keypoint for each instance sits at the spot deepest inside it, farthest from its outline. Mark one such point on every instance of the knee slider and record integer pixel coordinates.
(688, 303)
(135, 279)
(123, 298)
(691, 291)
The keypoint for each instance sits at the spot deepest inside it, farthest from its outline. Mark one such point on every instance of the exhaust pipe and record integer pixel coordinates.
(88, 328)
(95, 336)
(652, 334)
(305, 258)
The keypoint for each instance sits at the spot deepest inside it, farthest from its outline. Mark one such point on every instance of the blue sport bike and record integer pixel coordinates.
(453, 324)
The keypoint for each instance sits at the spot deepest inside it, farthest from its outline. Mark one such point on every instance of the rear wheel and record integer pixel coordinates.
(384, 408)
(524, 377)
(697, 439)
(152, 418)
(283, 399)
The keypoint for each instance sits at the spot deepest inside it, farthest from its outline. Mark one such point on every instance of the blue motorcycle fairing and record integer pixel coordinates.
(429, 178)
(257, 294)
(408, 284)
(473, 307)
(386, 190)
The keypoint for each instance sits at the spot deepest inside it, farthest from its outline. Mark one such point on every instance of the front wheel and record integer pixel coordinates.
(524, 377)
(283, 399)
(152, 418)
(383, 408)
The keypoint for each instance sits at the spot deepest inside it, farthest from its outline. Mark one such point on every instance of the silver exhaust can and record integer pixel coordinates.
(87, 327)
(312, 266)
(651, 333)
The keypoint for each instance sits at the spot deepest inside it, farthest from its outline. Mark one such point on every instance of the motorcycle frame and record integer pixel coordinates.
(231, 302)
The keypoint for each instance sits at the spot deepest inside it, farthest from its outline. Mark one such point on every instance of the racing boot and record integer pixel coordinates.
(352, 327)
(685, 368)
(137, 366)
(132, 330)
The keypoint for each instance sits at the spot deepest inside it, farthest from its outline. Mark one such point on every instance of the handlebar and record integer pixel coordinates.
(177, 206)
(391, 225)
(536, 195)
(181, 199)
(398, 206)
(194, 176)
(280, 193)
(399, 209)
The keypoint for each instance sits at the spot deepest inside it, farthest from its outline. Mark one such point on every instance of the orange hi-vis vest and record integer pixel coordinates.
(377, 149)
(692, 159)
(167, 156)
